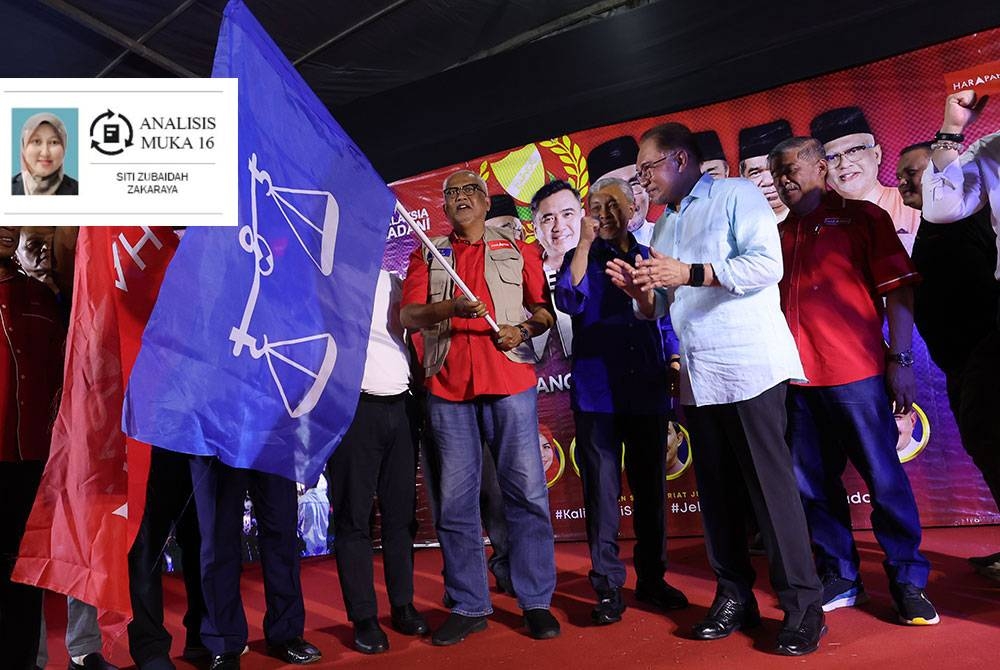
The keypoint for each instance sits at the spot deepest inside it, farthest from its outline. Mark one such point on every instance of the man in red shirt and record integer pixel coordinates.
(842, 257)
(481, 388)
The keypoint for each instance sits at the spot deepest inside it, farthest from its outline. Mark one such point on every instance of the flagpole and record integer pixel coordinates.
(445, 264)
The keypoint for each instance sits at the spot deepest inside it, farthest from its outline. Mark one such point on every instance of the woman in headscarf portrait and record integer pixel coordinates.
(43, 152)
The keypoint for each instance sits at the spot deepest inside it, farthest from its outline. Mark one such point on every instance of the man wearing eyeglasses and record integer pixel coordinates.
(481, 388)
(854, 156)
(716, 257)
(838, 253)
(755, 143)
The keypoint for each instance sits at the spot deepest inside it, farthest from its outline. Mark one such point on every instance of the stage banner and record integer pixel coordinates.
(900, 99)
(256, 348)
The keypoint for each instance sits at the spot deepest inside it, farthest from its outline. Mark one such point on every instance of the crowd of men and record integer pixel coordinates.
(758, 301)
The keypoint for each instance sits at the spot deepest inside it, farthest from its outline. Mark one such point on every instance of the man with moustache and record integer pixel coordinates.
(713, 158)
(756, 143)
(717, 256)
(481, 388)
(955, 309)
(619, 395)
(616, 158)
(853, 157)
(556, 212)
(841, 258)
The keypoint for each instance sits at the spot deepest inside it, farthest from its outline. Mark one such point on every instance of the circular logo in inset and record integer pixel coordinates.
(679, 457)
(110, 133)
(914, 432)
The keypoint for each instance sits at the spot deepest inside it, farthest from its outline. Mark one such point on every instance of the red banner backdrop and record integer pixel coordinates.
(902, 99)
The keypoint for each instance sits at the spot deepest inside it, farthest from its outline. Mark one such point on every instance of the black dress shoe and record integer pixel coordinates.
(724, 616)
(610, 606)
(369, 638)
(408, 621)
(541, 624)
(92, 662)
(660, 594)
(230, 661)
(456, 628)
(296, 651)
(804, 638)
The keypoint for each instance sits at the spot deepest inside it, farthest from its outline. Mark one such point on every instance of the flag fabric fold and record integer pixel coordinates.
(92, 494)
(256, 348)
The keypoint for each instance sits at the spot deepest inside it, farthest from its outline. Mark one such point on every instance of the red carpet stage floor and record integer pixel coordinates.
(865, 637)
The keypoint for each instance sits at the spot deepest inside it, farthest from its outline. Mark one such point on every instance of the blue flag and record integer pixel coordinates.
(256, 347)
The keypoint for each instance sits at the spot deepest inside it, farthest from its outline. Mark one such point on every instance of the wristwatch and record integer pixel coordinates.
(903, 359)
(525, 335)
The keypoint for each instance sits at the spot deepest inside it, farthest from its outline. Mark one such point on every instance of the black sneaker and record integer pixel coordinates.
(912, 605)
(661, 595)
(839, 592)
(456, 628)
(610, 606)
(541, 624)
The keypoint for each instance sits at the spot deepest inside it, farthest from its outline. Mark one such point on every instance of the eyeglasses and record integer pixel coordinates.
(644, 170)
(853, 155)
(468, 189)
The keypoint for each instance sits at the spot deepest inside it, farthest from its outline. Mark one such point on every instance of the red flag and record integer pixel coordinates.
(91, 497)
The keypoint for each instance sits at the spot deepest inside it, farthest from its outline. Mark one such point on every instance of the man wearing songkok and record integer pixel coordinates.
(713, 158)
(756, 143)
(853, 156)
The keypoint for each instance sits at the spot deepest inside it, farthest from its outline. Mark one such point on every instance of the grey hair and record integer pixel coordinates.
(480, 180)
(614, 181)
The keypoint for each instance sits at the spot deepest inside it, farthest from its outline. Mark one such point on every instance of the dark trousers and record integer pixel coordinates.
(219, 493)
(20, 604)
(376, 457)
(740, 455)
(599, 439)
(974, 395)
(827, 425)
(170, 511)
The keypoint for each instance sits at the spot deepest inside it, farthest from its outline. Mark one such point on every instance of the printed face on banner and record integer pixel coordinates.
(854, 164)
(557, 224)
(755, 169)
(909, 174)
(718, 168)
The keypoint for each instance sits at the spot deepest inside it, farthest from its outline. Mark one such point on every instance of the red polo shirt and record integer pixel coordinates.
(474, 366)
(840, 259)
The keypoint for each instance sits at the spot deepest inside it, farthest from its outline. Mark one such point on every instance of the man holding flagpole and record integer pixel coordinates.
(481, 388)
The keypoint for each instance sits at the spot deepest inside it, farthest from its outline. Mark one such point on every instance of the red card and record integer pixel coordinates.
(982, 79)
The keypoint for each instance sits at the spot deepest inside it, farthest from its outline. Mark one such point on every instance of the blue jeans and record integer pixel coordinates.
(510, 425)
(826, 426)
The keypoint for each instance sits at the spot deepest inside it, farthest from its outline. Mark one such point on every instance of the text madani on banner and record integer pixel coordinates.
(142, 152)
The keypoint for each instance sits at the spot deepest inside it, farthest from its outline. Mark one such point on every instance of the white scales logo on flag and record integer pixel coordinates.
(318, 242)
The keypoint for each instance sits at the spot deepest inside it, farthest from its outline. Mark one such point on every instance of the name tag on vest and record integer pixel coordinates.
(835, 221)
(499, 244)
